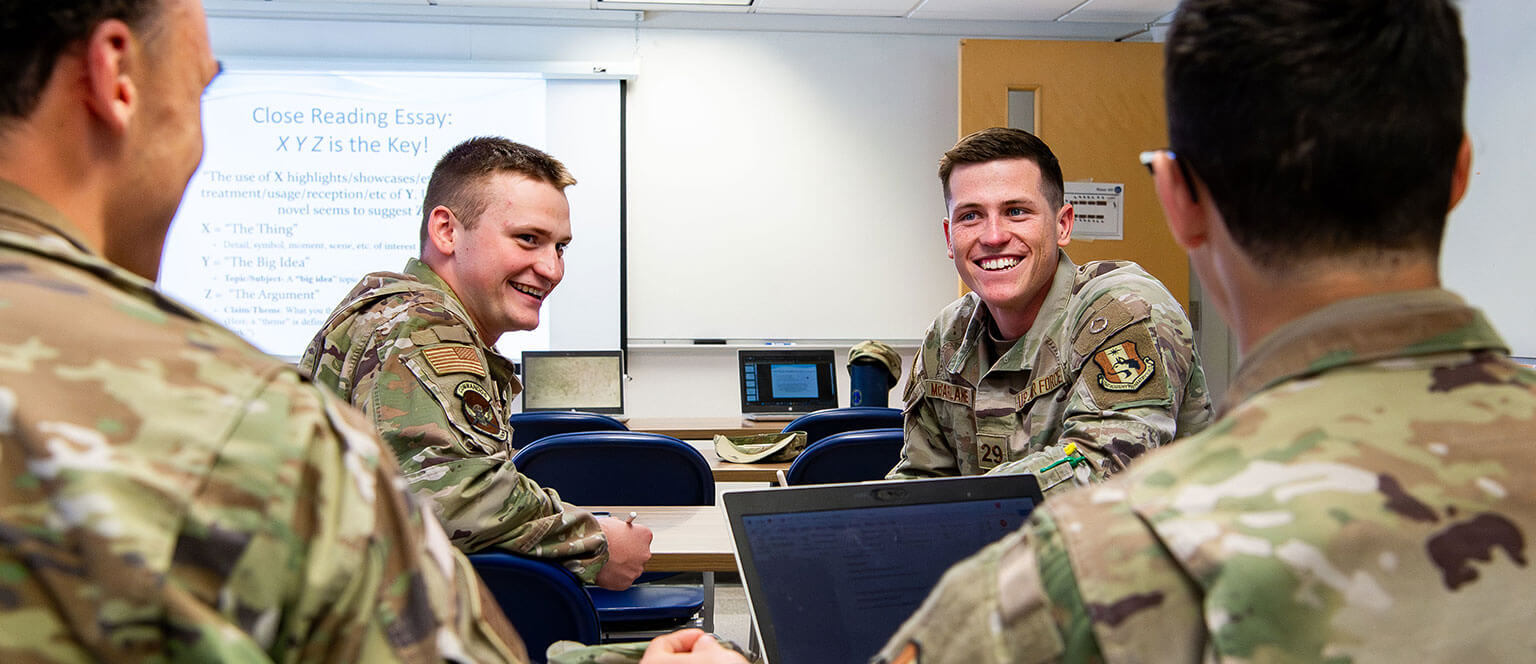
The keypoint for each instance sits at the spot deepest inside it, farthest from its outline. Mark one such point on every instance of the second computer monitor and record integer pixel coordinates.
(786, 381)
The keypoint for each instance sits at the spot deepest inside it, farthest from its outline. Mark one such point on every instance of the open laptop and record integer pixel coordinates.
(584, 380)
(780, 385)
(832, 570)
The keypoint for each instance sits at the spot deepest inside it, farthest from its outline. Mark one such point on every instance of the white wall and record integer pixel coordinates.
(1490, 236)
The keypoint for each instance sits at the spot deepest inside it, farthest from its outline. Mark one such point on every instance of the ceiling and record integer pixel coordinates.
(1104, 19)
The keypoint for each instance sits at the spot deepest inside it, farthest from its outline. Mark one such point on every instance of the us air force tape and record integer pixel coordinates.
(762, 447)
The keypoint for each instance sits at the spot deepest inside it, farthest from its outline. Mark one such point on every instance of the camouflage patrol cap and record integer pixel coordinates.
(764, 447)
(876, 351)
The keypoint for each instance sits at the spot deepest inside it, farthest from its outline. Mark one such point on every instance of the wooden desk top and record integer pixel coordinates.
(702, 428)
(687, 539)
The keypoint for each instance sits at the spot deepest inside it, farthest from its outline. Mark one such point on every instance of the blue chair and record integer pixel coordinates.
(528, 427)
(619, 468)
(823, 423)
(853, 456)
(544, 601)
(628, 468)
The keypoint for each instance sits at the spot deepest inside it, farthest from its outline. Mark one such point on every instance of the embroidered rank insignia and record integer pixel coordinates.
(479, 410)
(1122, 368)
(453, 358)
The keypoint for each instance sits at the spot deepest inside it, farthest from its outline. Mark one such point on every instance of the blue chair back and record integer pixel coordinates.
(619, 468)
(544, 601)
(823, 423)
(528, 427)
(853, 456)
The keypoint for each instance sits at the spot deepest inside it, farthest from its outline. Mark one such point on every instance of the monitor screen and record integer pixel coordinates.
(591, 380)
(787, 381)
(832, 572)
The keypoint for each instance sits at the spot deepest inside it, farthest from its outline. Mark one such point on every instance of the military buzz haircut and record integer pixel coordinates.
(1321, 128)
(36, 33)
(456, 179)
(1004, 143)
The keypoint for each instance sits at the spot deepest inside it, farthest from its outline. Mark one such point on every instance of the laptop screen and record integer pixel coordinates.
(586, 380)
(833, 571)
(787, 381)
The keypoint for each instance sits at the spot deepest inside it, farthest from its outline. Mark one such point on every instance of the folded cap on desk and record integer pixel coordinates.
(764, 447)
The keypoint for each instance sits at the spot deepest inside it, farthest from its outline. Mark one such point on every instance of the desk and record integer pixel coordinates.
(691, 538)
(697, 428)
(725, 471)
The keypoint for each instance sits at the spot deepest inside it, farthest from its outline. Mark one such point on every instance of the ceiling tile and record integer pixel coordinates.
(994, 10)
(1122, 11)
(836, 7)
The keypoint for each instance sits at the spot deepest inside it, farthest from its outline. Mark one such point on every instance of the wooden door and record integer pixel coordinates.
(1097, 104)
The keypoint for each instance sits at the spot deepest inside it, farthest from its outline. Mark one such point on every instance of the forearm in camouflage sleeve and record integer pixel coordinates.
(1112, 416)
(478, 495)
(570, 652)
(372, 578)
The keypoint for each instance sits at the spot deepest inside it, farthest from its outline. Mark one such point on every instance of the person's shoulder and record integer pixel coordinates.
(1120, 291)
(1097, 280)
(392, 306)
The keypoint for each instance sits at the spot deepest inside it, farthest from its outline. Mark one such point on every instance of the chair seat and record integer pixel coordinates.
(647, 603)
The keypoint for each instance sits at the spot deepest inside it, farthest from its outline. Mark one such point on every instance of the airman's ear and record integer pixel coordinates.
(1186, 217)
(443, 230)
(112, 57)
(1462, 175)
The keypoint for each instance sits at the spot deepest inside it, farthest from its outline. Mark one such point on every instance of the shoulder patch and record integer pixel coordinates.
(1123, 368)
(1110, 317)
(480, 410)
(453, 358)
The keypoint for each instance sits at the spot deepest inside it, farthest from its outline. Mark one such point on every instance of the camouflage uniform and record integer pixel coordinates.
(1369, 499)
(401, 347)
(167, 492)
(1109, 365)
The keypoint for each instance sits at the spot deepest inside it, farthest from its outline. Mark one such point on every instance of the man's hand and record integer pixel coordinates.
(629, 547)
(689, 646)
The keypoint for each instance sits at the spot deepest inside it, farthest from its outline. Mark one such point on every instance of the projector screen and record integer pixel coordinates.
(314, 177)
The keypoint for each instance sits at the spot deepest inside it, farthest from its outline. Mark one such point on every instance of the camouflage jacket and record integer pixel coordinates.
(401, 347)
(169, 493)
(1109, 365)
(1368, 499)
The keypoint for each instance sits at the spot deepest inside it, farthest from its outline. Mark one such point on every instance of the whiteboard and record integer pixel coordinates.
(802, 199)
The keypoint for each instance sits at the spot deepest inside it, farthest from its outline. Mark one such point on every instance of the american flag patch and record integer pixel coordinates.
(452, 358)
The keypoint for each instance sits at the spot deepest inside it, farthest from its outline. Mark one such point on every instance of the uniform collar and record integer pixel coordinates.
(1361, 330)
(426, 275)
(1023, 353)
(24, 213)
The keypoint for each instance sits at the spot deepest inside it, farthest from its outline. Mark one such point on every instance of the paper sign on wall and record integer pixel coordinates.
(1100, 210)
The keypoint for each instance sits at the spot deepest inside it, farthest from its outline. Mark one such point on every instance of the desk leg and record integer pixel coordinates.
(707, 614)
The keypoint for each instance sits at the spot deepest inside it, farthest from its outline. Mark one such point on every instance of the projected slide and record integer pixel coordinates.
(310, 180)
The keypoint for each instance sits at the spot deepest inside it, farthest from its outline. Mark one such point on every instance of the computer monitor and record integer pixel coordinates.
(832, 570)
(786, 381)
(584, 380)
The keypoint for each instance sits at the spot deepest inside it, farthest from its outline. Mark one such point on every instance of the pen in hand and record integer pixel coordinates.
(631, 518)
